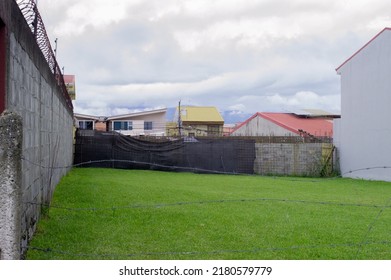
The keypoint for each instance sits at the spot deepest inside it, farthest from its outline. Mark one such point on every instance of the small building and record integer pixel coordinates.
(286, 124)
(195, 121)
(88, 122)
(229, 128)
(151, 123)
(363, 134)
(70, 84)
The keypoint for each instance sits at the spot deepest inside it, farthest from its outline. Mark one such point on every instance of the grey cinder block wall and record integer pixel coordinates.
(298, 159)
(33, 94)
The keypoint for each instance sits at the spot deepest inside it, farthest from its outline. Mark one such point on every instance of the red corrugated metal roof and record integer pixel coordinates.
(377, 35)
(293, 123)
(314, 126)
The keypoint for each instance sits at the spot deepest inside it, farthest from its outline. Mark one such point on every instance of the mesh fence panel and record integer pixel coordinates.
(220, 155)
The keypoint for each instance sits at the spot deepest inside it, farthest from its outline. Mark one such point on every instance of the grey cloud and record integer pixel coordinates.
(230, 54)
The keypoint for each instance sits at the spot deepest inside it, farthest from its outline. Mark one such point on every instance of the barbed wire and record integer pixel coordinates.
(358, 245)
(365, 169)
(188, 168)
(198, 132)
(50, 250)
(220, 201)
(372, 224)
(134, 162)
(34, 20)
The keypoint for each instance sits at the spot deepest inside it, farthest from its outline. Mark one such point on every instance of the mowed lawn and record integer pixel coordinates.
(136, 214)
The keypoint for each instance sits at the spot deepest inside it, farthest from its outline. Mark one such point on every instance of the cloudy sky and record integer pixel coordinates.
(240, 55)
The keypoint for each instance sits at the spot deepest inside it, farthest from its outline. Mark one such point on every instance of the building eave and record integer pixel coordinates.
(87, 117)
(244, 123)
(144, 113)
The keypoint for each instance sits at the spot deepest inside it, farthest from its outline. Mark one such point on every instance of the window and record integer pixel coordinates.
(122, 125)
(147, 125)
(87, 125)
(213, 130)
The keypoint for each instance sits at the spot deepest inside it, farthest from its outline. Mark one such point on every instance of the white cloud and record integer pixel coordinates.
(96, 13)
(255, 33)
(237, 108)
(306, 99)
(240, 55)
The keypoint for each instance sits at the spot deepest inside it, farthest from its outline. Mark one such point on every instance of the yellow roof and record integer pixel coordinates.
(200, 114)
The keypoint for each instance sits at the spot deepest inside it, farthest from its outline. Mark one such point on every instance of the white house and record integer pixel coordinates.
(363, 134)
(152, 123)
(86, 122)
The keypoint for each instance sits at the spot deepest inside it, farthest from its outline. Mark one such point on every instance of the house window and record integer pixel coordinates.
(213, 130)
(86, 125)
(122, 125)
(147, 125)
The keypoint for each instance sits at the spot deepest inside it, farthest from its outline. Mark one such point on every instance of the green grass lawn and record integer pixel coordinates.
(134, 214)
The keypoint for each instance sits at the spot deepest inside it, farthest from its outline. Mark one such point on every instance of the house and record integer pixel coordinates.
(198, 121)
(69, 81)
(88, 122)
(363, 134)
(228, 129)
(286, 124)
(152, 123)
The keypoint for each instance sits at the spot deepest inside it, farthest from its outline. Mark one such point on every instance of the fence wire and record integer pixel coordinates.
(358, 245)
(50, 250)
(372, 225)
(34, 20)
(221, 201)
(196, 170)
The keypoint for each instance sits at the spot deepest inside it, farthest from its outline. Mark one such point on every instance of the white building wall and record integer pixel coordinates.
(138, 129)
(364, 132)
(158, 124)
(261, 127)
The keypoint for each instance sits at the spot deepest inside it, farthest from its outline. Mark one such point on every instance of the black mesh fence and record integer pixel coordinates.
(204, 155)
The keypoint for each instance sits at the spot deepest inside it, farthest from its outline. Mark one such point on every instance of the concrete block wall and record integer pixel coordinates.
(304, 159)
(47, 130)
(46, 115)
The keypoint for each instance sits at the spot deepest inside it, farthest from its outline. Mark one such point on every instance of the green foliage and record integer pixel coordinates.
(134, 214)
